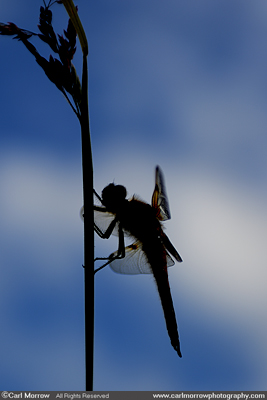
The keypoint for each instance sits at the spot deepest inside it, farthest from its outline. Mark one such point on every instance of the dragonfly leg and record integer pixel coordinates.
(120, 253)
(97, 195)
(108, 232)
(106, 263)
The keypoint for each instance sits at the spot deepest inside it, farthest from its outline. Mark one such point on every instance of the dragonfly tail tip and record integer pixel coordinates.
(177, 349)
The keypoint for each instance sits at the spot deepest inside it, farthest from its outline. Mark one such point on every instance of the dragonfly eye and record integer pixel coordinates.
(113, 196)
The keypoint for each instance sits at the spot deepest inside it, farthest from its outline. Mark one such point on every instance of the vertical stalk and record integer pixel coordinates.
(87, 166)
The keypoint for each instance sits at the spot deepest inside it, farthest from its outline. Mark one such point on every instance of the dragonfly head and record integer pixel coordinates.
(113, 196)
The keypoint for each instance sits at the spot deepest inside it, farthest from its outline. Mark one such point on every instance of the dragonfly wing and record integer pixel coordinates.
(159, 197)
(170, 261)
(102, 220)
(134, 262)
(82, 213)
(169, 246)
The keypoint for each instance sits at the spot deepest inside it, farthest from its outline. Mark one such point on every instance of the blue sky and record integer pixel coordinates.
(179, 84)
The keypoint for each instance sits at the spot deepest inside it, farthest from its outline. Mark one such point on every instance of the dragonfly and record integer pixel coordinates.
(151, 251)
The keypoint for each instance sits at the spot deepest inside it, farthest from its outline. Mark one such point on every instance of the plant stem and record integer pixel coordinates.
(87, 166)
(88, 186)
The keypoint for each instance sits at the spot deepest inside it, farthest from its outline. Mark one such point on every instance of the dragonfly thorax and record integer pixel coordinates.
(113, 196)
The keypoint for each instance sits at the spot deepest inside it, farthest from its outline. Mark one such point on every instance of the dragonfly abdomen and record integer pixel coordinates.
(157, 260)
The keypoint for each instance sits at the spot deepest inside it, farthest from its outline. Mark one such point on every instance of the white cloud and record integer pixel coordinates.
(217, 225)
